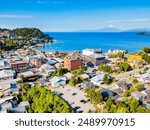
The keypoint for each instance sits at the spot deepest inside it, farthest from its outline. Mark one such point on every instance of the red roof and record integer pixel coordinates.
(17, 63)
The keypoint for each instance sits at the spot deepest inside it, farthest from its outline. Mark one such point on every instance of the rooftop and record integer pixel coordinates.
(132, 57)
(18, 63)
(97, 56)
(5, 73)
(74, 56)
(27, 74)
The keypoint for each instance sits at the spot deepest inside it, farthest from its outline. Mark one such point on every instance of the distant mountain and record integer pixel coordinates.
(138, 30)
(107, 29)
(113, 29)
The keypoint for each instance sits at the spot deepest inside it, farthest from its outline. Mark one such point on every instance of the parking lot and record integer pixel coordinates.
(75, 98)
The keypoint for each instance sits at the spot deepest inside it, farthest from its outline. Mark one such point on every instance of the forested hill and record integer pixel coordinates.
(20, 37)
(30, 33)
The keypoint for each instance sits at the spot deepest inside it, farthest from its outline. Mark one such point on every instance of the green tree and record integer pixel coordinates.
(94, 95)
(124, 66)
(106, 80)
(146, 50)
(120, 54)
(139, 87)
(135, 81)
(73, 81)
(44, 101)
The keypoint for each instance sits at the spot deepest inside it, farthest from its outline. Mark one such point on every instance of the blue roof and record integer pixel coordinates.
(51, 62)
(13, 86)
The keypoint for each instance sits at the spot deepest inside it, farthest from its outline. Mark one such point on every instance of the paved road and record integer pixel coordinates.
(74, 96)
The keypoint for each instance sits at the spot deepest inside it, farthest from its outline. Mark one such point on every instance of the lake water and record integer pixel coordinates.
(67, 42)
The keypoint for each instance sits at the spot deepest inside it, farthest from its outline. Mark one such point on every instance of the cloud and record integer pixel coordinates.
(59, 2)
(41, 2)
(15, 16)
(130, 20)
(49, 1)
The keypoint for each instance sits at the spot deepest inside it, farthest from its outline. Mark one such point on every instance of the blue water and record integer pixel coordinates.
(67, 42)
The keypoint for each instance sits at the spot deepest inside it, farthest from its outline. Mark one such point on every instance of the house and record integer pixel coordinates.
(98, 80)
(6, 75)
(4, 65)
(58, 65)
(36, 60)
(5, 103)
(46, 67)
(147, 93)
(28, 75)
(46, 70)
(68, 75)
(108, 93)
(73, 61)
(115, 51)
(44, 82)
(146, 103)
(20, 108)
(85, 76)
(89, 52)
(138, 95)
(93, 56)
(88, 84)
(52, 62)
(19, 66)
(13, 89)
(24, 104)
(145, 78)
(91, 70)
(58, 60)
(120, 87)
(58, 81)
(135, 60)
(9, 89)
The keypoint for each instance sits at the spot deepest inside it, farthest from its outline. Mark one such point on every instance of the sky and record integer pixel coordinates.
(74, 15)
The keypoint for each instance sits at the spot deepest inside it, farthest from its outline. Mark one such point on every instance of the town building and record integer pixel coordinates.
(36, 60)
(135, 60)
(73, 61)
(93, 56)
(19, 66)
(98, 79)
(4, 65)
(121, 86)
(58, 81)
(6, 75)
(89, 52)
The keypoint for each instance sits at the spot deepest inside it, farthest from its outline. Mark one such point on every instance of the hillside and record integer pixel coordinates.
(20, 37)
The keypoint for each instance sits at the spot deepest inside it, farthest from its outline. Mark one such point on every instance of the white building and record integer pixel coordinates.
(98, 80)
(89, 52)
(6, 75)
(58, 81)
(115, 51)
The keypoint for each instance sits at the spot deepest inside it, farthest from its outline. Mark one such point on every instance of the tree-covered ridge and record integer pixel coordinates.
(44, 101)
(20, 37)
(30, 33)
